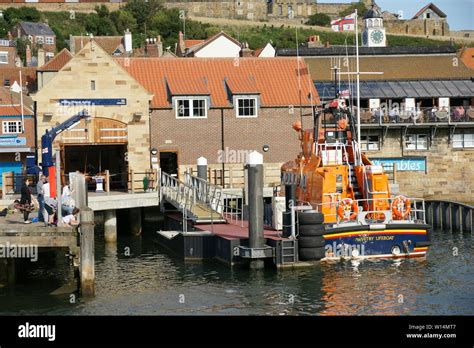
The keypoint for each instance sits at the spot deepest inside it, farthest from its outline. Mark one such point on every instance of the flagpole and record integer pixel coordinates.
(358, 78)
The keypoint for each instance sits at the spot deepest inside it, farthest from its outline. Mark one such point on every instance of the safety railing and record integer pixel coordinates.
(428, 115)
(233, 208)
(417, 211)
(183, 195)
(205, 192)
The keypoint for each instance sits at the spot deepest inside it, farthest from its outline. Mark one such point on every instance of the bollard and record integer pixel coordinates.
(202, 168)
(255, 204)
(87, 252)
(290, 196)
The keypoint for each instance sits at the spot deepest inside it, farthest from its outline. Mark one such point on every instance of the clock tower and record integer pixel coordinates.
(374, 32)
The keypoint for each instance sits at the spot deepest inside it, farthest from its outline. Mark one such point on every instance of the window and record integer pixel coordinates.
(3, 57)
(39, 39)
(92, 85)
(49, 40)
(369, 142)
(463, 140)
(416, 142)
(12, 127)
(280, 10)
(191, 108)
(246, 107)
(6, 83)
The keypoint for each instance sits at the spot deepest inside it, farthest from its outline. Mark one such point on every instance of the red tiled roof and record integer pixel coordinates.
(10, 103)
(245, 85)
(57, 63)
(108, 43)
(467, 56)
(257, 52)
(13, 74)
(276, 79)
(188, 86)
(189, 43)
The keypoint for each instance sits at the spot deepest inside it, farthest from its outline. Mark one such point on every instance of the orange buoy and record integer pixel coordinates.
(401, 207)
(342, 123)
(347, 209)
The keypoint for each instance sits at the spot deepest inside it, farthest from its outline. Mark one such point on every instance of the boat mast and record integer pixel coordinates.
(357, 77)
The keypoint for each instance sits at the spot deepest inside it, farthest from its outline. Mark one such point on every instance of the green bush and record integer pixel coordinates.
(320, 19)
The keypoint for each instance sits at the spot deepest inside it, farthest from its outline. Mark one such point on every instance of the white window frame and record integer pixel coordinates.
(416, 142)
(39, 39)
(191, 108)
(6, 127)
(237, 99)
(365, 144)
(4, 54)
(462, 141)
(49, 40)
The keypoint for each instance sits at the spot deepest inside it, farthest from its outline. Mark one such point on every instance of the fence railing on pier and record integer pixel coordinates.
(448, 215)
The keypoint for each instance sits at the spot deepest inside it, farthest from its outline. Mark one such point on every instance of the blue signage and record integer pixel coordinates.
(12, 141)
(403, 164)
(105, 101)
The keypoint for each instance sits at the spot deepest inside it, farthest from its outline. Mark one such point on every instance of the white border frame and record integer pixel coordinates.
(237, 107)
(191, 99)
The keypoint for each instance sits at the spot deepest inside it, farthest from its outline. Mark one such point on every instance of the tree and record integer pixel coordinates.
(14, 15)
(320, 19)
(123, 20)
(360, 6)
(143, 11)
(4, 27)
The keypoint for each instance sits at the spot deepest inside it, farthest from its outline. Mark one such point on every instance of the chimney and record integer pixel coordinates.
(128, 41)
(151, 49)
(41, 57)
(28, 55)
(314, 41)
(181, 45)
(246, 51)
(159, 46)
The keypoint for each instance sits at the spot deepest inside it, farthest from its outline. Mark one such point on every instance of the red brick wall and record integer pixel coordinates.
(193, 138)
(29, 129)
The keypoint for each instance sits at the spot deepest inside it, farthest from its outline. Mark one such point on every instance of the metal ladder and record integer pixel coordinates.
(289, 251)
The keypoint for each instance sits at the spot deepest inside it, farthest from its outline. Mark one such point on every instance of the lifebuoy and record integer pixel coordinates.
(401, 207)
(347, 209)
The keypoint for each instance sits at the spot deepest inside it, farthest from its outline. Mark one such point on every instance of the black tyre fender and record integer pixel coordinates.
(311, 242)
(310, 217)
(311, 230)
(307, 254)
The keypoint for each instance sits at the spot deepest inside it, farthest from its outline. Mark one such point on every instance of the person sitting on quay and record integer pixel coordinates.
(71, 219)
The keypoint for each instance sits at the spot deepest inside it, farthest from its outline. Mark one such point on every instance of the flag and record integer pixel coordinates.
(344, 23)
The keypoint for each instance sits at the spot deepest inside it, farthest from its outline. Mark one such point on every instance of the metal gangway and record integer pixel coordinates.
(197, 199)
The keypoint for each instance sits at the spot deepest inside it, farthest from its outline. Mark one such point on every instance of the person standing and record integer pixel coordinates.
(25, 200)
(40, 194)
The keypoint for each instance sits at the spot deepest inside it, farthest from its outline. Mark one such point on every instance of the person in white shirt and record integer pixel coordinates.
(71, 219)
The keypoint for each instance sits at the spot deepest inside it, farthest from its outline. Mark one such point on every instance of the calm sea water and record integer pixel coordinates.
(151, 281)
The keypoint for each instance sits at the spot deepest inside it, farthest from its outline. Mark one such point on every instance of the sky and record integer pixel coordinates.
(460, 12)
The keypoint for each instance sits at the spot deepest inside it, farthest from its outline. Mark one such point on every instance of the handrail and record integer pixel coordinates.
(205, 192)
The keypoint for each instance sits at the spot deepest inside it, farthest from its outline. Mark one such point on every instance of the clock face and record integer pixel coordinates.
(376, 36)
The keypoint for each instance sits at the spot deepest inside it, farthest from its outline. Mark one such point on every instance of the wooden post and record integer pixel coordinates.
(231, 171)
(87, 252)
(107, 180)
(4, 185)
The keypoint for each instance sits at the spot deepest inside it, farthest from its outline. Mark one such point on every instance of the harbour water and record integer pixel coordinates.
(151, 281)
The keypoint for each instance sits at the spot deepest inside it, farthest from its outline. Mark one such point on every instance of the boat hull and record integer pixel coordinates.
(375, 241)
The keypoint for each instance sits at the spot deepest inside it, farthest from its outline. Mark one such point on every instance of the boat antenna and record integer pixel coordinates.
(299, 77)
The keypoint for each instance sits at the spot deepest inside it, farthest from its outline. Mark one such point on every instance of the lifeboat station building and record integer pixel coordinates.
(116, 136)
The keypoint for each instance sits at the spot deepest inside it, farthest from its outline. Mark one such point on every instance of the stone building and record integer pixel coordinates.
(418, 115)
(117, 135)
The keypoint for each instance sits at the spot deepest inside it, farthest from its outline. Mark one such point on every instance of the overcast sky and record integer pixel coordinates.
(460, 12)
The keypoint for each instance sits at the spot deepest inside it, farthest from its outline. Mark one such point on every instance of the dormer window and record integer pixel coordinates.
(246, 107)
(191, 107)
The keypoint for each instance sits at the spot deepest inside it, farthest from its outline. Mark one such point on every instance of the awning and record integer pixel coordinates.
(402, 89)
